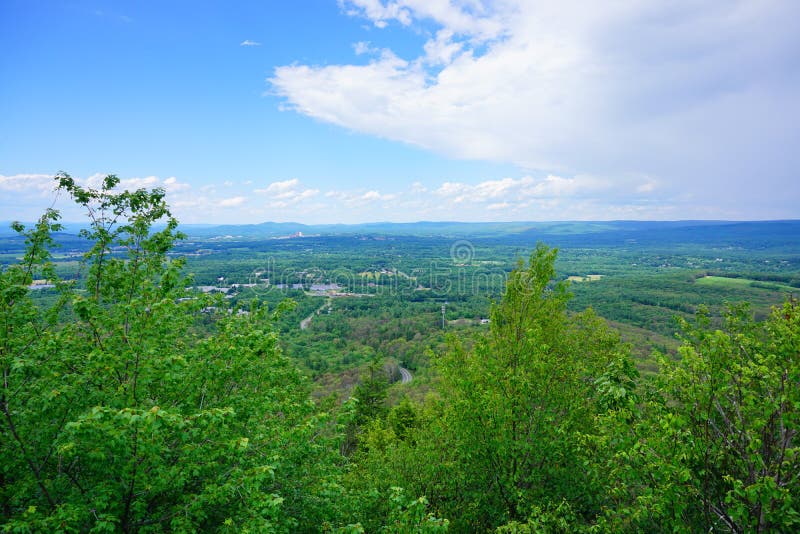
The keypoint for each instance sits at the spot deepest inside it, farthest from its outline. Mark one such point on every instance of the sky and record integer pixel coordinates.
(349, 111)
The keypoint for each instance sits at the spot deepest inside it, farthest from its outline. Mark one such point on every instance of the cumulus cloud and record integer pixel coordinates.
(519, 189)
(285, 193)
(442, 49)
(467, 17)
(32, 193)
(44, 184)
(233, 202)
(248, 42)
(359, 198)
(418, 187)
(377, 12)
(363, 47)
(690, 93)
(27, 183)
(371, 195)
(530, 197)
(279, 188)
(171, 184)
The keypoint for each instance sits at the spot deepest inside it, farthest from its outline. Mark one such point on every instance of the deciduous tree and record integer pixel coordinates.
(129, 419)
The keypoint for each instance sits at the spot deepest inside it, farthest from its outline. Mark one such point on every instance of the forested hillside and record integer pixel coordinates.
(134, 401)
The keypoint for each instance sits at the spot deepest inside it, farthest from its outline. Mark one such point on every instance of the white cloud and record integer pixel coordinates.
(516, 189)
(233, 202)
(696, 95)
(33, 193)
(248, 42)
(278, 188)
(28, 183)
(132, 184)
(172, 185)
(527, 197)
(95, 181)
(377, 12)
(286, 193)
(363, 47)
(442, 49)
(203, 204)
(466, 17)
(360, 198)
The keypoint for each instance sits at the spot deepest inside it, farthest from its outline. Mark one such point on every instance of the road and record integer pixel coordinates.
(307, 321)
(405, 375)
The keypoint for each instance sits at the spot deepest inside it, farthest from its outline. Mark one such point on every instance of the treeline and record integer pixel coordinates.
(146, 413)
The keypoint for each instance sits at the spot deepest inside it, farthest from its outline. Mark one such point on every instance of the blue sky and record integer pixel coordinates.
(403, 110)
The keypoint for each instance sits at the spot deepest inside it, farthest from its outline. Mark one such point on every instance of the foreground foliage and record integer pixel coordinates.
(125, 418)
(505, 441)
(717, 448)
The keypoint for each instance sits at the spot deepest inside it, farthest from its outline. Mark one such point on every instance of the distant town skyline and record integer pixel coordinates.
(351, 111)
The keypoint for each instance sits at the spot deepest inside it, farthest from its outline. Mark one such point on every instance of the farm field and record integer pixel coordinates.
(728, 282)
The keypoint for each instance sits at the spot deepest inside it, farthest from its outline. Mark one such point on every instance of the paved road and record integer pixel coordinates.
(405, 375)
(307, 321)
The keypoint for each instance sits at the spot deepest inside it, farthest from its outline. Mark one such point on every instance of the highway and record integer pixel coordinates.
(405, 375)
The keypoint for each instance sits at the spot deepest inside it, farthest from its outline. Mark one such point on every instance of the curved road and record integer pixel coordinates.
(405, 375)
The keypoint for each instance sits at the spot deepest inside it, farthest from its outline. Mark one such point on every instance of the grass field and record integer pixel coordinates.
(733, 283)
(587, 278)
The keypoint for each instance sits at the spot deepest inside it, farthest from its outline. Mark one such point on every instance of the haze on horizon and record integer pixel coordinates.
(356, 111)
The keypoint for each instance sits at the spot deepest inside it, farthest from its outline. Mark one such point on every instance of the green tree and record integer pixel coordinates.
(369, 400)
(128, 418)
(504, 443)
(371, 393)
(522, 397)
(718, 450)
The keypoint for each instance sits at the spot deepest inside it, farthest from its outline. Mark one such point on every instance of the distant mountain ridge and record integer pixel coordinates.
(556, 233)
(496, 229)
(746, 234)
(421, 228)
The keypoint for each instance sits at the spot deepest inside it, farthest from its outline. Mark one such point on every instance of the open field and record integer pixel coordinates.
(727, 282)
